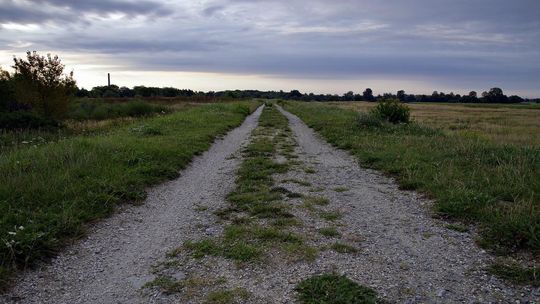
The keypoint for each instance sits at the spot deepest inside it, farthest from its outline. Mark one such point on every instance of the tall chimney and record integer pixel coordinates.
(109, 78)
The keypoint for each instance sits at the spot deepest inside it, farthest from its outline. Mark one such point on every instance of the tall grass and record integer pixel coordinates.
(494, 185)
(48, 193)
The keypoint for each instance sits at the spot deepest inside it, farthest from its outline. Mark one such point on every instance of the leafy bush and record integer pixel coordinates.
(26, 120)
(392, 111)
(98, 110)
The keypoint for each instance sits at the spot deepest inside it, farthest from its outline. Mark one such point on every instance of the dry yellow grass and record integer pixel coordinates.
(503, 124)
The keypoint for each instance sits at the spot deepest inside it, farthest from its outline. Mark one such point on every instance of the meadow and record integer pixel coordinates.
(499, 123)
(52, 187)
(481, 164)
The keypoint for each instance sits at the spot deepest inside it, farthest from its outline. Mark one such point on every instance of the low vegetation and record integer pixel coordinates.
(329, 232)
(343, 248)
(516, 273)
(227, 296)
(20, 120)
(48, 192)
(498, 123)
(334, 289)
(86, 109)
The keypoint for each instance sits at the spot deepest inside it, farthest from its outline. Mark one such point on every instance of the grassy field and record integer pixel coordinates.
(486, 172)
(90, 117)
(49, 191)
(499, 123)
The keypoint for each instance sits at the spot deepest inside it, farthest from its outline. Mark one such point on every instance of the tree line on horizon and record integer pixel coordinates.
(39, 85)
(494, 95)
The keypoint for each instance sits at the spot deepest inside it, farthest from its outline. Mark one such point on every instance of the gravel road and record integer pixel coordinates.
(114, 261)
(405, 254)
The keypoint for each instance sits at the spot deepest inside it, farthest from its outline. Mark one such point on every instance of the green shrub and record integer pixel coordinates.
(392, 111)
(26, 120)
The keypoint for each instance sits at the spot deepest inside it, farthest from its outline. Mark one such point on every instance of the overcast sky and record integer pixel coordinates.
(311, 45)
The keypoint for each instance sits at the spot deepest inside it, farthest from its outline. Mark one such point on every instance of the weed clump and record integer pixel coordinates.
(343, 248)
(516, 273)
(329, 232)
(335, 289)
(227, 296)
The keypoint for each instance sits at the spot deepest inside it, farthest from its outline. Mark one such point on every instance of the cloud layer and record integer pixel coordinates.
(457, 44)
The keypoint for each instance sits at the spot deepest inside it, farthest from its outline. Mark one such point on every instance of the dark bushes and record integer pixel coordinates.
(26, 120)
(98, 110)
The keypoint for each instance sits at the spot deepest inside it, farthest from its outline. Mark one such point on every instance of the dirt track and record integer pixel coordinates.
(404, 254)
(115, 260)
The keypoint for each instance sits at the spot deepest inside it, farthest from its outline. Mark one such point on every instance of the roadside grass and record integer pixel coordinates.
(458, 227)
(516, 273)
(48, 193)
(167, 285)
(88, 117)
(297, 181)
(329, 232)
(228, 296)
(334, 289)
(190, 286)
(316, 200)
(493, 184)
(258, 217)
(343, 248)
(492, 181)
(330, 215)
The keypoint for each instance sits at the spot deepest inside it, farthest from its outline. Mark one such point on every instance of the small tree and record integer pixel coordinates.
(368, 95)
(39, 81)
(349, 96)
(401, 95)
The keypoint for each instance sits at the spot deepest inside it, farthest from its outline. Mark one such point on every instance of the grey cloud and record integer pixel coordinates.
(40, 11)
(211, 10)
(479, 41)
